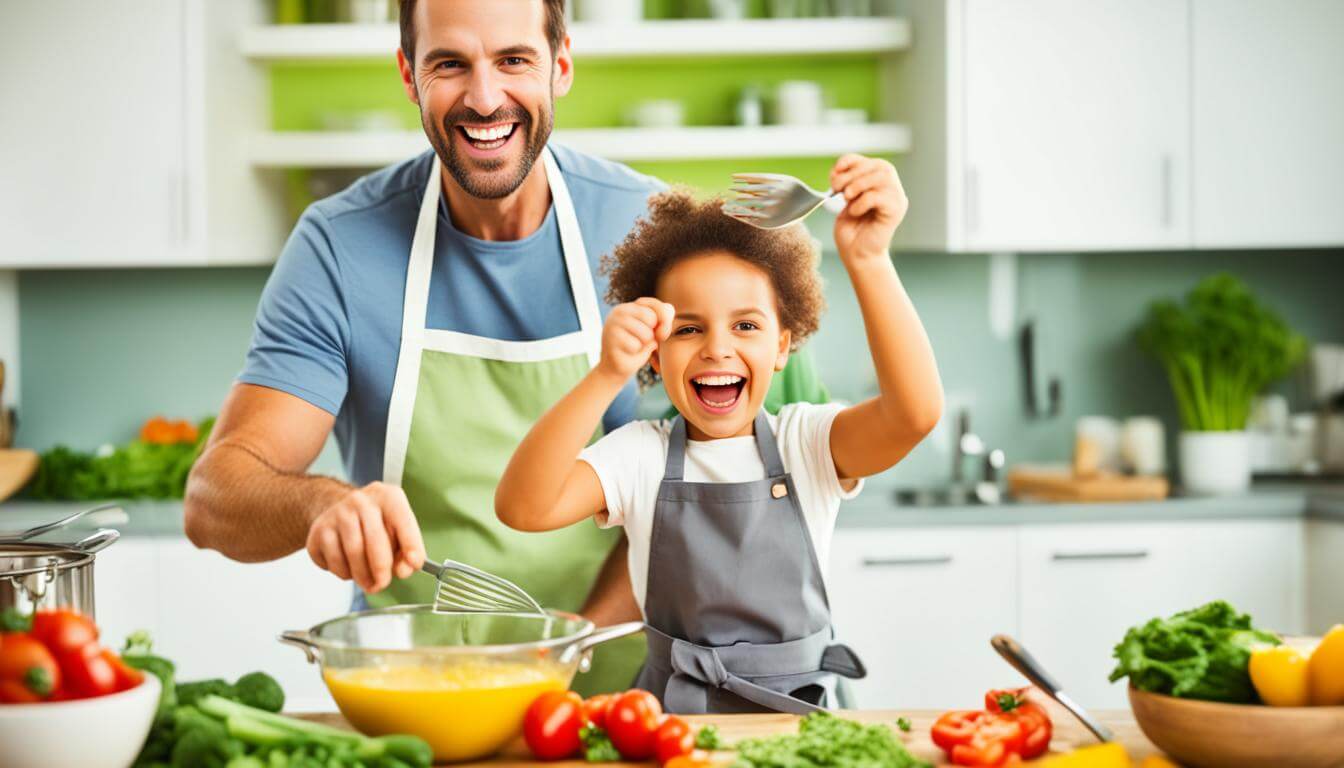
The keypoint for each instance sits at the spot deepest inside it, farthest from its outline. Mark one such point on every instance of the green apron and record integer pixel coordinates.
(460, 405)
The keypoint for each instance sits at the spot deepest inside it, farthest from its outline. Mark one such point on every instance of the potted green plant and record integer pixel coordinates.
(1220, 349)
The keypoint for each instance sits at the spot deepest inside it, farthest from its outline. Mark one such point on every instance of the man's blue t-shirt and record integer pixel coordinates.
(329, 326)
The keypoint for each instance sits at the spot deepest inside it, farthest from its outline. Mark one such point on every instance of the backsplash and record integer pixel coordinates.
(104, 349)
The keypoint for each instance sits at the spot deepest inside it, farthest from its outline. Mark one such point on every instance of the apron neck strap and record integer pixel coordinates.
(675, 468)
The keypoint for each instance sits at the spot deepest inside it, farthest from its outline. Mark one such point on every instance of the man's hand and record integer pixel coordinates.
(632, 331)
(367, 535)
(876, 204)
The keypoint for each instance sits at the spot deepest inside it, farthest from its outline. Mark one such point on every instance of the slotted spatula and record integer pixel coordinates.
(774, 200)
(466, 588)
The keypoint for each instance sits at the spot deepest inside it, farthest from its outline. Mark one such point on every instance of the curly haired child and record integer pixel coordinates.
(729, 510)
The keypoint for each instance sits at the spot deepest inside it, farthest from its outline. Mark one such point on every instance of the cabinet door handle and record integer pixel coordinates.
(1120, 554)
(897, 562)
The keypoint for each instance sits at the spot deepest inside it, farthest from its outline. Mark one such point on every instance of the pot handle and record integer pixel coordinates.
(301, 639)
(97, 541)
(586, 643)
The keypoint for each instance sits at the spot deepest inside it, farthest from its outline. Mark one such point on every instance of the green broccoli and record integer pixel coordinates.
(165, 671)
(188, 694)
(260, 690)
(202, 741)
(138, 643)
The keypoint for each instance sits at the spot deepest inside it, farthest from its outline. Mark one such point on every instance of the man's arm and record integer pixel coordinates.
(249, 496)
(612, 600)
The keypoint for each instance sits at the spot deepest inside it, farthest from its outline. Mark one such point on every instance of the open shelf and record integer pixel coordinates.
(322, 149)
(679, 37)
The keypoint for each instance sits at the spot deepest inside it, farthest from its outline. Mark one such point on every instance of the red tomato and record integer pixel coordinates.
(673, 739)
(87, 672)
(956, 727)
(632, 724)
(127, 677)
(28, 671)
(595, 709)
(551, 725)
(1037, 730)
(979, 738)
(63, 630)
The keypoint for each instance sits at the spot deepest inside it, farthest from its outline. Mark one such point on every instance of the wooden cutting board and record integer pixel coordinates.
(1061, 484)
(16, 469)
(1069, 735)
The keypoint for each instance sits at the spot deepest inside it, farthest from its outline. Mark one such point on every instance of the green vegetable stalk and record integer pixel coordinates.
(597, 746)
(1197, 654)
(1220, 349)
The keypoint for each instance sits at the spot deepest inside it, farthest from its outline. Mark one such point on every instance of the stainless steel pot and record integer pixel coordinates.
(38, 575)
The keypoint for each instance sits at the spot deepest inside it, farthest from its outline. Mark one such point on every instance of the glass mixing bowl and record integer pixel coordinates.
(460, 681)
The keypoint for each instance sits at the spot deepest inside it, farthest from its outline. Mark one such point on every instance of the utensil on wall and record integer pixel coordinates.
(1017, 656)
(774, 200)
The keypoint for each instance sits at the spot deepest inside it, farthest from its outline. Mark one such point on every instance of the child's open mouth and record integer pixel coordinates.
(718, 393)
(487, 138)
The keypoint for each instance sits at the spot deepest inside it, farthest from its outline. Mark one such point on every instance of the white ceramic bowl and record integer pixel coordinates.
(106, 732)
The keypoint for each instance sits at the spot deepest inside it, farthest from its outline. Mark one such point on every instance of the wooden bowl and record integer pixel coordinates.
(1207, 734)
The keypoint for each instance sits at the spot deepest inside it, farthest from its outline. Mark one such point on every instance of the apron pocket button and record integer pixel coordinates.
(779, 490)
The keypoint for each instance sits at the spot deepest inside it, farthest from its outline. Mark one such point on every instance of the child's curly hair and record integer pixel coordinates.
(678, 226)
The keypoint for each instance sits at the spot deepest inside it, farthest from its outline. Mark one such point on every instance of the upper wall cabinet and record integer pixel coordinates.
(1268, 123)
(1057, 125)
(93, 141)
(107, 121)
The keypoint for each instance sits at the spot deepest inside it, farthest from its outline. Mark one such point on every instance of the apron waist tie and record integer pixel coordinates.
(693, 669)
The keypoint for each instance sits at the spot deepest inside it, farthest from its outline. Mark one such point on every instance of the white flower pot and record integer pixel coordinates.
(1215, 463)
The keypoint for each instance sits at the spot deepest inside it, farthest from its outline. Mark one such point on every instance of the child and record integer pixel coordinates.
(729, 511)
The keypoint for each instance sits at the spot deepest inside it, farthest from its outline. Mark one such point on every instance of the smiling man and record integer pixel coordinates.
(429, 314)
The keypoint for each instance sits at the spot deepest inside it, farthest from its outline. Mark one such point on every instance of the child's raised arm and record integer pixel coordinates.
(875, 434)
(545, 486)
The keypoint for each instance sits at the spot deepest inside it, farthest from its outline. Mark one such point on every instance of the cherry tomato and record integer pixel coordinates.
(693, 760)
(979, 738)
(674, 738)
(127, 677)
(87, 672)
(63, 630)
(632, 724)
(551, 725)
(28, 671)
(595, 709)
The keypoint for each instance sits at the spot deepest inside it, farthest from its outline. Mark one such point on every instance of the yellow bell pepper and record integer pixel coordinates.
(1110, 755)
(1326, 669)
(1157, 761)
(1279, 674)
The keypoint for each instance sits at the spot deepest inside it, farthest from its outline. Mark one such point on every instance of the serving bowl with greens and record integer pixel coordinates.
(1194, 696)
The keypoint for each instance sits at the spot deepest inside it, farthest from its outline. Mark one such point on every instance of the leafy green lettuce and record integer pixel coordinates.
(137, 470)
(1197, 654)
(826, 741)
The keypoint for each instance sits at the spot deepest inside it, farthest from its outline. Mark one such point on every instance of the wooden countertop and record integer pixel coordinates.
(1069, 734)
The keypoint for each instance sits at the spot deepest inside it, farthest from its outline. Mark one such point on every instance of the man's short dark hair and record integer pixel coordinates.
(555, 26)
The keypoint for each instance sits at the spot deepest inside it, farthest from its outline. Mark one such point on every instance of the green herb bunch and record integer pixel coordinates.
(1220, 349)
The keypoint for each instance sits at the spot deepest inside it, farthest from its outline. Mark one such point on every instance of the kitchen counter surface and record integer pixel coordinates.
(1069, 735)
(874, 508)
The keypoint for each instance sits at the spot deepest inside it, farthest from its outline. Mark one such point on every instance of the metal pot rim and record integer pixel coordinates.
(69, 558)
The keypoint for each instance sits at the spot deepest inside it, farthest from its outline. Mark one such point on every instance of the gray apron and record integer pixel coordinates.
(736, 611)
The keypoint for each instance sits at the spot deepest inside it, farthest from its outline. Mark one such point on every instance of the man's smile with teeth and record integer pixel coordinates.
(488, 137)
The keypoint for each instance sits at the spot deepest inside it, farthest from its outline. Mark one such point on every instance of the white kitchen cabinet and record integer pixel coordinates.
(1268, 123)
(919, 606)
(220, 618)
(1083, 586)
(1325, 575)
(1045, 125)
(94, 140)
(126, 589)
(109, 110)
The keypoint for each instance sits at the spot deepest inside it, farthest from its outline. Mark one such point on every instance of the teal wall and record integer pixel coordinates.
(102, 350)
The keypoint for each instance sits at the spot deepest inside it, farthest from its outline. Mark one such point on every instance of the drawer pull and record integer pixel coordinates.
(892, 562)
(1130, 554)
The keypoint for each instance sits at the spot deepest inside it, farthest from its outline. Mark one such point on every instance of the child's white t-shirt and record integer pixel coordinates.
(630, 463)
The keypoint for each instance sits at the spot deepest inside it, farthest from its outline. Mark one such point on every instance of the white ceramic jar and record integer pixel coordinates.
(610, 11)
(1215, 463)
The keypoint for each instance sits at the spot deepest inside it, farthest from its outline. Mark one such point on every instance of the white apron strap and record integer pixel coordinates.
(576, 260)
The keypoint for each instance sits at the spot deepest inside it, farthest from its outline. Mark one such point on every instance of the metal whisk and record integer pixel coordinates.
(466, 588)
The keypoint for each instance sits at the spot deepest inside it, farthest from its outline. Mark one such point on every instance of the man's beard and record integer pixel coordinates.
(478, 177)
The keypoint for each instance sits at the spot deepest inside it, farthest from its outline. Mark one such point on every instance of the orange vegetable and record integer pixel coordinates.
(161, 431)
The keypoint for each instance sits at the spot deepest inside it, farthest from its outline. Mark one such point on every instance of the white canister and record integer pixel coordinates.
(799, 102)
(1215, 463)
(610, 11)
(1103, 433)
(1143, 446)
